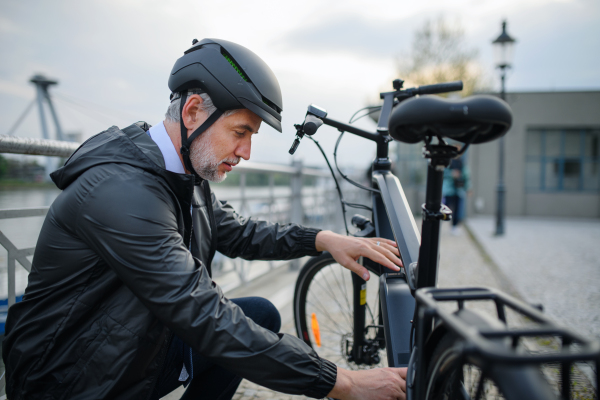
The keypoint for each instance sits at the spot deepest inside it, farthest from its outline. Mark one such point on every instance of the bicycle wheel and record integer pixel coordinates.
(324, 313)
(450, 376)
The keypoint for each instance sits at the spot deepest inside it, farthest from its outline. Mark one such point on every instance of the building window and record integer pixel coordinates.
(563, 160)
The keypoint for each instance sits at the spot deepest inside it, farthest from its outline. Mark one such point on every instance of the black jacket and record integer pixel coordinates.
(112, 280)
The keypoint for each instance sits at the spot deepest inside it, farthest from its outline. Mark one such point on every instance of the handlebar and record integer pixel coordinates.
(439, 88)
(316, 116)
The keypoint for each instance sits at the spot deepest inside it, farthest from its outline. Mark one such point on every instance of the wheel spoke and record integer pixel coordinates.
(323, 308)
(324, 311)
(342, 288)
(327, 290)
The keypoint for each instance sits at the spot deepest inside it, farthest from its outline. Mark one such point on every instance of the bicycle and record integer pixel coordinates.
(449, 354)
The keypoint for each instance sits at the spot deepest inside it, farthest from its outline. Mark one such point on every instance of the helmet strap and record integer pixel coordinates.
(186, 142)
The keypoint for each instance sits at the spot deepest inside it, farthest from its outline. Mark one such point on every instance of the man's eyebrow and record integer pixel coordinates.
(245, 127)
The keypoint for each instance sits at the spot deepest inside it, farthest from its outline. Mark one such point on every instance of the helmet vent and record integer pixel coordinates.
(244, 77)
(271, 104)
(234, 65)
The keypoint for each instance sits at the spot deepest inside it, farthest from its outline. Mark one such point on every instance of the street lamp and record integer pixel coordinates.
(503, 55)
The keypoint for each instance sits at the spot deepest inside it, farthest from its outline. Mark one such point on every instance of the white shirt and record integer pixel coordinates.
(159, 134)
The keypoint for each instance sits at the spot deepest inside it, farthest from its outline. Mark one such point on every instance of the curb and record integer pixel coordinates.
(505, 284)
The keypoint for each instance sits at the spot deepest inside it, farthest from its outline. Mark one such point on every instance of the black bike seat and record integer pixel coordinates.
(474, 119)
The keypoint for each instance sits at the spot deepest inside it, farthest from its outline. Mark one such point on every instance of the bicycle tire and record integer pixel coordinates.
(450, 376)
(324, 287)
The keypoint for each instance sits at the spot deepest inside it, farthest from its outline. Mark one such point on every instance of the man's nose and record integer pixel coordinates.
(244, 149)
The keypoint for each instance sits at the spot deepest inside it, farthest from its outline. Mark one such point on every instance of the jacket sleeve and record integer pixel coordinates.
(131, 222)
(260, 240)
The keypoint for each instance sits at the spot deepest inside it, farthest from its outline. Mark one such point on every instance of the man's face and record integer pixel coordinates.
(222, 146)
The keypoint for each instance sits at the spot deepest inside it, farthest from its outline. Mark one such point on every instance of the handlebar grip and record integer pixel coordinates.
(440, 88)
(311, 124)
(294, 146)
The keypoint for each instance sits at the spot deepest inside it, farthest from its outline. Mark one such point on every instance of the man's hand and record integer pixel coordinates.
(372, 384)
(348, 249)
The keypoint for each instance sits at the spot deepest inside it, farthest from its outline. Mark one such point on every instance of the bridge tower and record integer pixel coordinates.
(42, 84)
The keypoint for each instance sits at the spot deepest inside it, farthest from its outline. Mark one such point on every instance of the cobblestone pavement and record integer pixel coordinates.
(555, 262)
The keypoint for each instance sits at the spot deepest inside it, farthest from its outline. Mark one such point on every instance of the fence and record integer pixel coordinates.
(315, 205)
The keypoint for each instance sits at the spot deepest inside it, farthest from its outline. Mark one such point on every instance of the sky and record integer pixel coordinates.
(112, 58)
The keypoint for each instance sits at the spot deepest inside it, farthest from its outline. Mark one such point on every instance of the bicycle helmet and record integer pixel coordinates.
(233, 77)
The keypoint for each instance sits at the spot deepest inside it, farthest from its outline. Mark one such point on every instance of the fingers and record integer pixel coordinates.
(387, 244)
(357, 269)
(383, 256)
(402, 372)
(391, 247)
(390, 244)
(347, 250)
(393, 257)
(385, 253)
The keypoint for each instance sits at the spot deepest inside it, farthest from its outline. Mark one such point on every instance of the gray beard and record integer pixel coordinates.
(205, 161)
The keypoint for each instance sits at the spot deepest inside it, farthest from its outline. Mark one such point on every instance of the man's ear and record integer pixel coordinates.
(192, 112)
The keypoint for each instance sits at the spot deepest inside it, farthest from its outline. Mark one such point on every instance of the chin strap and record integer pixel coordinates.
(186, 142)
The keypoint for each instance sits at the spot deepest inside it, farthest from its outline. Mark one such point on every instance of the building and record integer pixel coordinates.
(552, 159)
(552, 164)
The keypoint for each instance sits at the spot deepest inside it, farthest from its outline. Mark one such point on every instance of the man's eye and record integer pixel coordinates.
(240, 134)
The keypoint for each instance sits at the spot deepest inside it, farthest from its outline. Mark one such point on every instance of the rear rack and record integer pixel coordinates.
(479, 347)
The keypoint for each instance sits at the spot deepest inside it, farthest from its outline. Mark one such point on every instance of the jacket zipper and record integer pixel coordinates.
(167, 343)
(213, 225)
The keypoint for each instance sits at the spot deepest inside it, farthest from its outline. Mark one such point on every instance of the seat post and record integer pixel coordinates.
(433, 212)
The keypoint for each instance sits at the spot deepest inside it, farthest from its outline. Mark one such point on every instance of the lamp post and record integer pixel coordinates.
(503, 54)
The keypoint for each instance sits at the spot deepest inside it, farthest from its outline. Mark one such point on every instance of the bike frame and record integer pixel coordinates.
(393, 219)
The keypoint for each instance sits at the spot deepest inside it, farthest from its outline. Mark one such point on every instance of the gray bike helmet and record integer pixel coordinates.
(233, 77)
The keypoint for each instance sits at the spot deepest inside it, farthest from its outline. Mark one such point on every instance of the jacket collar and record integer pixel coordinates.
(130, 146)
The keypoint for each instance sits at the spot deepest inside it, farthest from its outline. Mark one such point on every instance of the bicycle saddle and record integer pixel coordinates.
(475, 119)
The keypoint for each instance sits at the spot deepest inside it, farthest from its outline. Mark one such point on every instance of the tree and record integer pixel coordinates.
(3, 166)
(439, 54)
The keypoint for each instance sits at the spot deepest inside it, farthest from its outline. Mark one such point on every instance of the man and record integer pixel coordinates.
(120, 303)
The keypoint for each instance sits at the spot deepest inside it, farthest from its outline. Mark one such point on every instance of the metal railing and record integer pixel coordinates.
(315, 205)
(15, 254)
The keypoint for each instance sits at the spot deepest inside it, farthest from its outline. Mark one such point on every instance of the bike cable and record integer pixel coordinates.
(372, 109)
(343, 202)
(358, 185)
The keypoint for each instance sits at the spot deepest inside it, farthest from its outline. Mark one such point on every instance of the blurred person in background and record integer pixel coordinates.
(457, 184)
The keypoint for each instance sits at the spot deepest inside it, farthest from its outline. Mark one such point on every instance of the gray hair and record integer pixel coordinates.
(173, 113)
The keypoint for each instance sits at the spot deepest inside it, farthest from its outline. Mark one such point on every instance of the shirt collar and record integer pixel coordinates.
(159, 134)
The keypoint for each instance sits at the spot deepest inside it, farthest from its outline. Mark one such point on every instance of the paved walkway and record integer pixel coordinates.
(555, 262)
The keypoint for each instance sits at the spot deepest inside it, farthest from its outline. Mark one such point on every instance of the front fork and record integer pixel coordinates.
(359, 291)
(363, 351)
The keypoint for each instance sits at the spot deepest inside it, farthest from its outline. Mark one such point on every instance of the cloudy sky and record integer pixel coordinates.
(113, 57)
